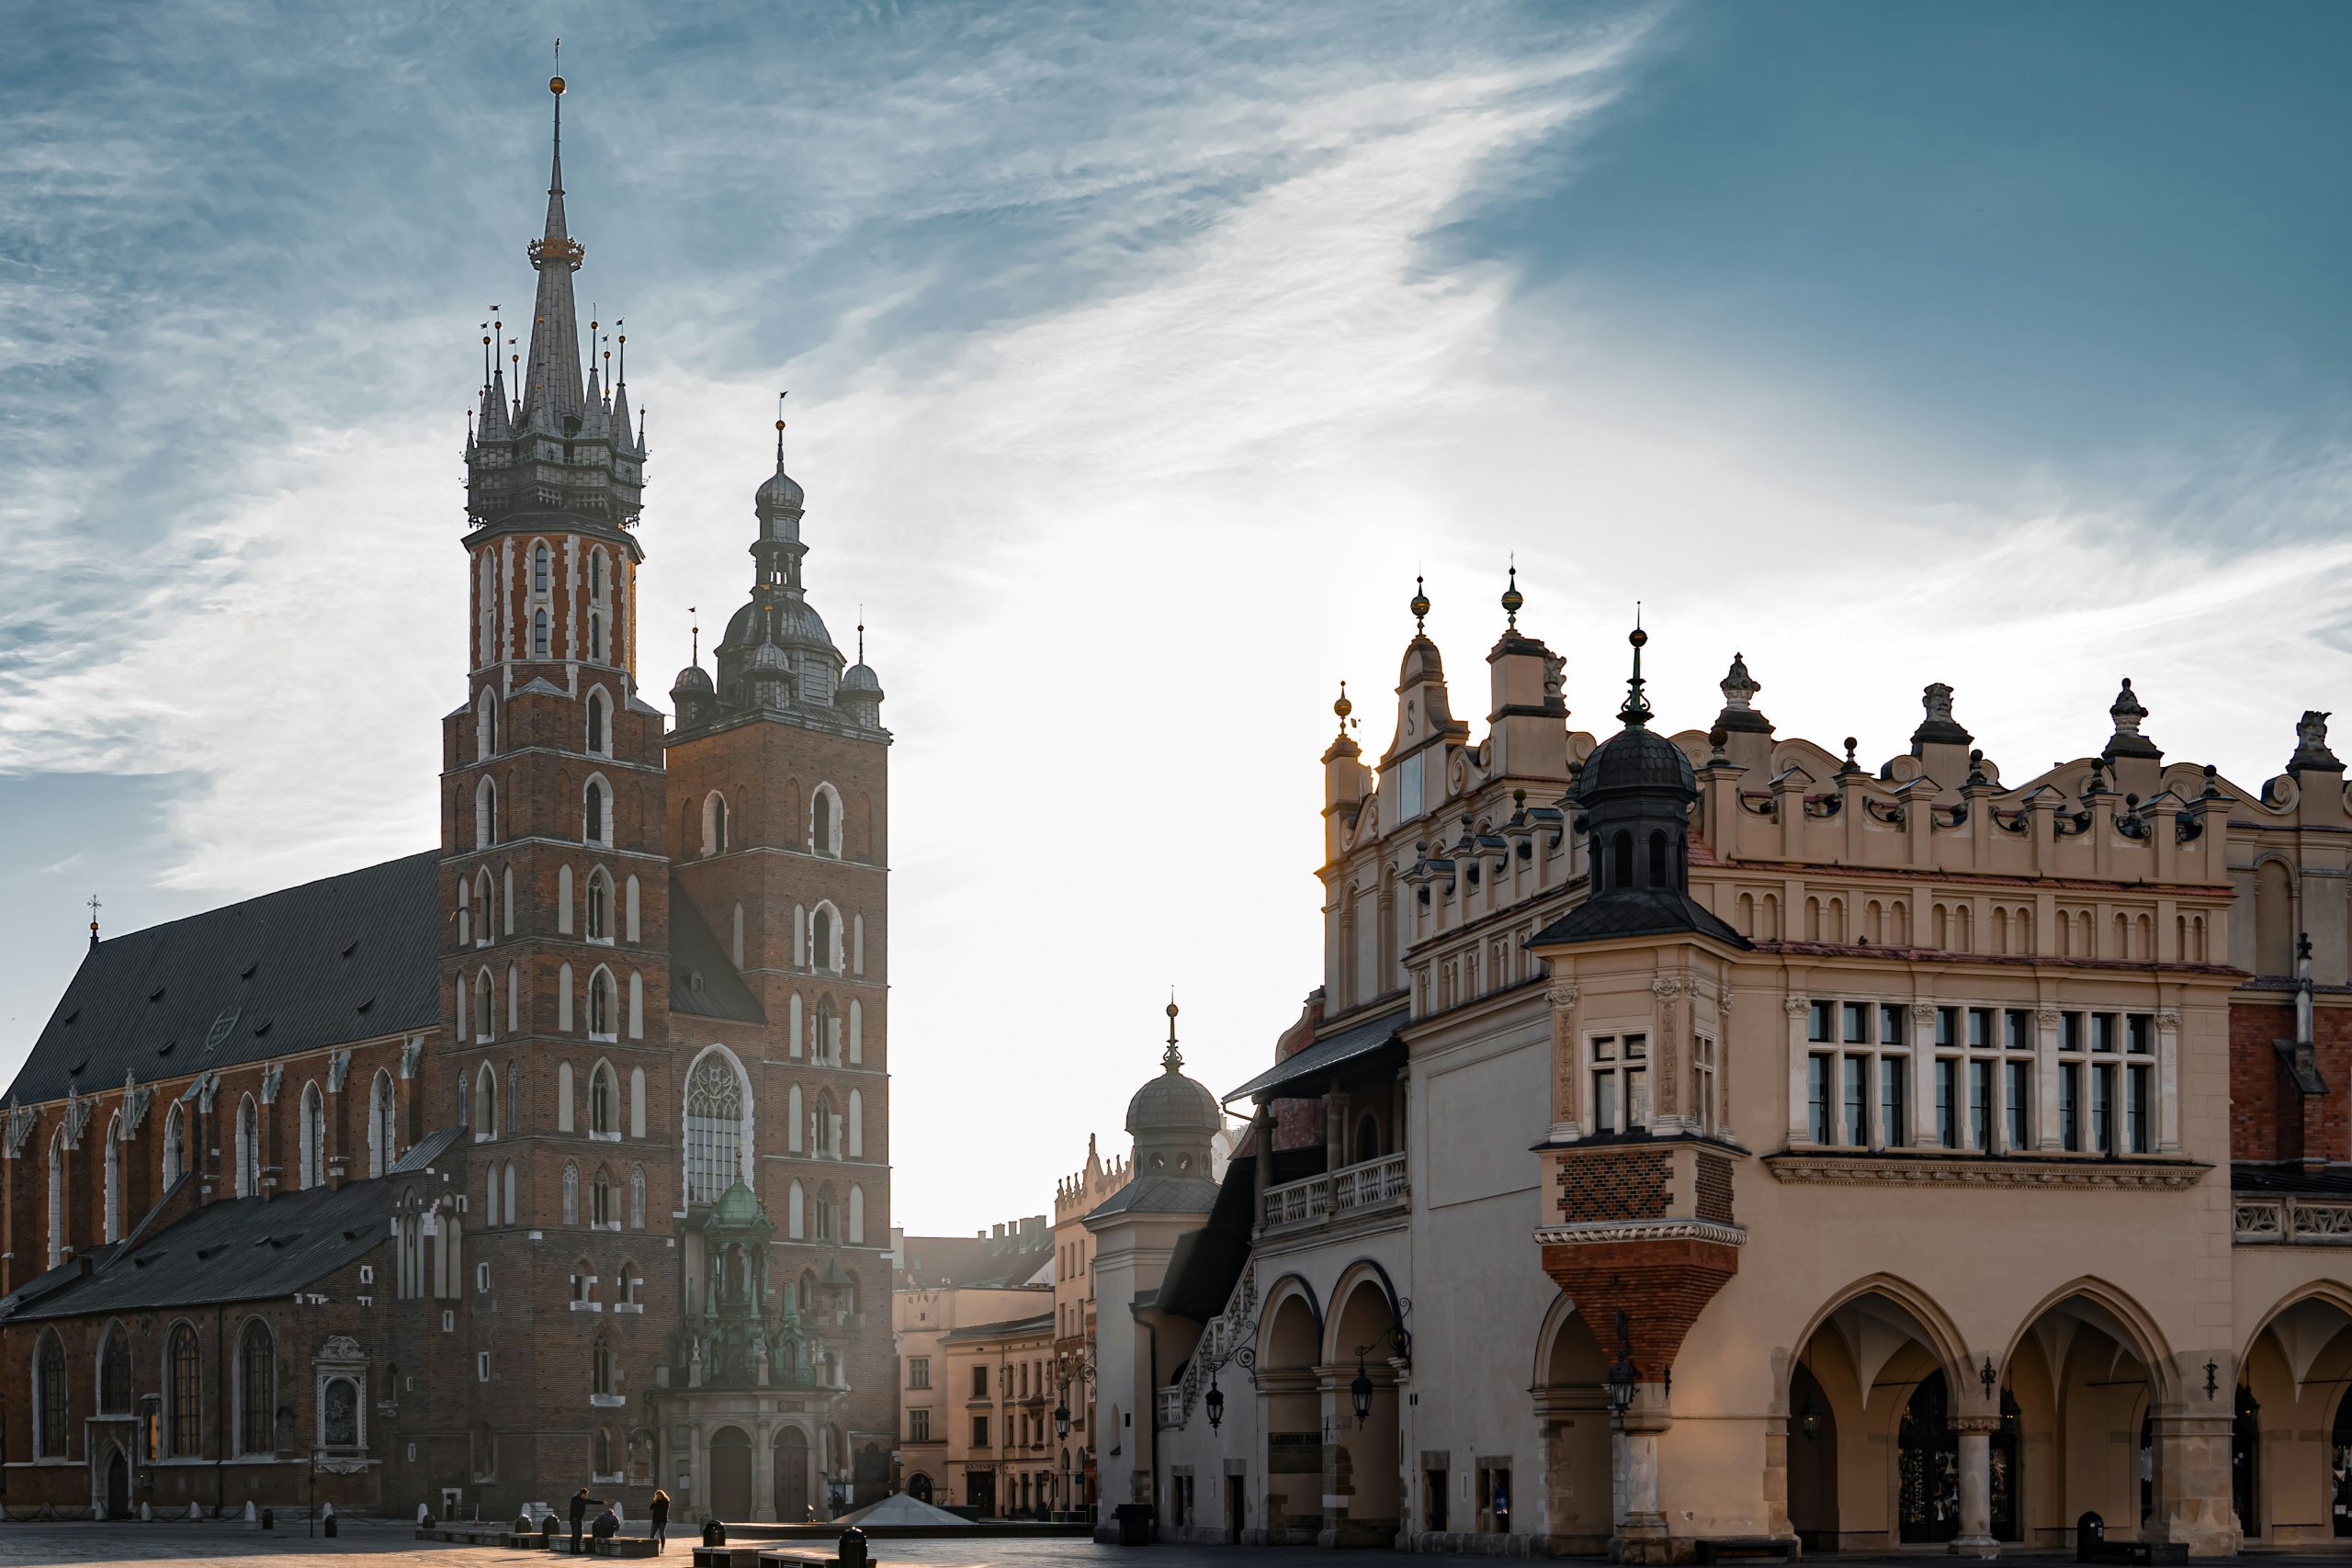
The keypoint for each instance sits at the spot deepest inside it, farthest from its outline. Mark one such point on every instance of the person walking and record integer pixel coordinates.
(580, 1504)
(657, 1518)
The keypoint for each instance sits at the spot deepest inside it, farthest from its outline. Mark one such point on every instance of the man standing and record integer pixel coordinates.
(580, 1504)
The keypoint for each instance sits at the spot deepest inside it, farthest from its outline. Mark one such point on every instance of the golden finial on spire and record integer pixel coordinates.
(1421, 605)
(1343, 708)
(1172, 1058)
(1512, 598)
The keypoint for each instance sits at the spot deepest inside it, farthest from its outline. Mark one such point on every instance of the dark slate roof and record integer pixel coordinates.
(350, 957)
(1158, 1195)
(983, 1262)
(240, 1250)
(1637, 911)
(1306, 1073)
(1206, 1264)
(1044, 1320)
(2291, 1179)
(425, 1150)
(695, 954)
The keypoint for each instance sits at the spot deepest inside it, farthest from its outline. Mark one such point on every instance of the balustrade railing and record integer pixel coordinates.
(2310, 1222)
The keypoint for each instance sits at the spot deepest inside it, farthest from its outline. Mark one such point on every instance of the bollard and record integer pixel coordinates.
(852, 1547)
(269, 1518)
(2090, 1533)
(713, 1533)
(327, 1525)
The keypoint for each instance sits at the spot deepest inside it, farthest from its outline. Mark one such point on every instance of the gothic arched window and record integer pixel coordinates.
(539, 568)
(57, 1198)
(570, 1194)
(601, 1212)
(540, 634)
(596, 826)
(256, 1390)
(183, 1395)
(381, 1151)
(315, 1136)
(114, 1372)
(485, 1005)
(602, 1094)
(821, 939)
(824, 822)
(718, 1107)
(114, 1179)
(248, 1148)
(637, 1200)
(598, 742)
(486, 1104)
(602, 1006)
(174, 1152)
(48, 1397)
(600, 906)
(485, 814)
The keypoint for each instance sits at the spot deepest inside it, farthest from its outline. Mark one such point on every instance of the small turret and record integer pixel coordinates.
(1940, 743)
(1423, 716)
(1527, 721)
(2137, 762)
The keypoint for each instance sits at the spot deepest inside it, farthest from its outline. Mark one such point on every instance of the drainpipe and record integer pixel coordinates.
(1151, 1392)
(220, 1408)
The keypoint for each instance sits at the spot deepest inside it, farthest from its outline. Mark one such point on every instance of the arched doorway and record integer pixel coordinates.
(2077, 1391)
(730, 1473)
(1288, 1347)
(792, 1476)
(1572, 1404)
(1871, 1463)
(2290, 1468)
(1362, 1348)
(118, 1485)
(918, 1487)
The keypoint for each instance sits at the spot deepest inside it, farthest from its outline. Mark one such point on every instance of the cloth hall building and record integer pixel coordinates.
(558, 1156)
(1700, 1136)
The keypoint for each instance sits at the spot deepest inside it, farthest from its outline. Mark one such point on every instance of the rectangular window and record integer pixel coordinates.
(979, 1431)
(1817, 1099)
(1605, 1102)
(1895, 1124)
(1890, 1024)
(2139, 1106)
(2017, 1093)
(2103, 1032)
(1856, 1128)
(2103, 1109)
(979, 1382)
(481, 1366)
(1621, 1084)
(2070, 1033)
(1858, 1023)
(2139, 1036)
(1703, 1082)
(2070, 1104)
(1980, 1029)
(2019, 1024)
(918, 1425)
(918, 1371)
(1948, 1102)
(1948, 1027)
(1980, 1105)
(1821, 1020)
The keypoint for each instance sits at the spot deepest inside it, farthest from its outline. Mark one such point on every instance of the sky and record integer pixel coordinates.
(1140, 358)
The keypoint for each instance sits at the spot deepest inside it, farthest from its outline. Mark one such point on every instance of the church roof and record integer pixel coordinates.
(983, 1262)
(238, 1249)
(349, 957)
(1158, 1195)
(704, 980)
(1637, 911)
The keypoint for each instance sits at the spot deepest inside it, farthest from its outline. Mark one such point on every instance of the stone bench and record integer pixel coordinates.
(624, 1546)
(1750, 1548)
(2134, 1551)
(726, 1557)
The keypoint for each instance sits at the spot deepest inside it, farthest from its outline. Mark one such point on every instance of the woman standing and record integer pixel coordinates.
(657, 1515)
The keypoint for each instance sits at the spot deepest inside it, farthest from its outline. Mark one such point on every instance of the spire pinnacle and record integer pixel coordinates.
(1637, 711)
(1419, 607)
(779, 430)
(552, 389)
(94, 907)
(1173, 1059)
(1512, 598)
(694, 630)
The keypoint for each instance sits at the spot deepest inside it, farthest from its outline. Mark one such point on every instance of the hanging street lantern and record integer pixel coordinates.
(1360, 1392)
(1809, 1419)
(1622, 1376)
(1216, 1401)
(1061, 1419)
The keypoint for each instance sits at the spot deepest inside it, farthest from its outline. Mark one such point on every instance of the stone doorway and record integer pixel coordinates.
(117, 1492)
(979, 1488)
(792, 1476)
(730, 1474)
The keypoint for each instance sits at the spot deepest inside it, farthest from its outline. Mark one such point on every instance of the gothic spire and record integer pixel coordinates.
(550, 390)
(1637, 711)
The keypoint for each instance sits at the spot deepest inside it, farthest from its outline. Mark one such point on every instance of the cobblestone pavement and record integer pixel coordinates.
(395, 1546)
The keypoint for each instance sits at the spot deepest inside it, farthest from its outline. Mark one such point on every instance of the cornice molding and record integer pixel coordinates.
(1830, 1170)
(1594, 1231)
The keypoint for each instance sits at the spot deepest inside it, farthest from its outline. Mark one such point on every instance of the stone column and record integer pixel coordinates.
(764, 1498)
(2045, 1078)
(2192, 1475)
(1975, 1539)
(1800, 1124)
(1667, 1035)
(2168, 1082)
(1641, 1524)
(1567, 1056)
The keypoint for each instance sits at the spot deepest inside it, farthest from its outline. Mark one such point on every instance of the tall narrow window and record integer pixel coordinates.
(601, 1211)
(486, 1106)
(248, 1148)
(538, 634)
(258, 1391)
(821, 823)
(602, 1004)
(114, 1373)
(48, 1397)
(57, 1198)
(570, 1194)
(183, 1395)
(637, 1201)
(485, 814)
(381, 1150)
(601, 1114)
(539, 568)
(315, 1136)
(175, 1149)
(114, 1180)
(596, 720)
(1620, 1100)
(1894, 1104)
(593, 827)
(600, 900)
(485, 1006)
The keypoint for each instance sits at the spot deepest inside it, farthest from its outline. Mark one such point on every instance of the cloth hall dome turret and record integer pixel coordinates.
(1173, 1118)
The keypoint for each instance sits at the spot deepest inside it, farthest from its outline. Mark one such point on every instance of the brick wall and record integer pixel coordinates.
(2269, 1120)
(1612, 1184)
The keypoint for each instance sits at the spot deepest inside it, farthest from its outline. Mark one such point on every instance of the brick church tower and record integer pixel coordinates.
(555, 883)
